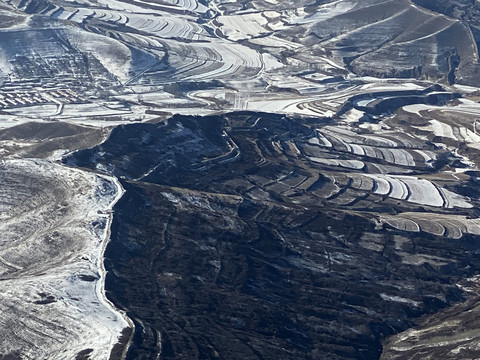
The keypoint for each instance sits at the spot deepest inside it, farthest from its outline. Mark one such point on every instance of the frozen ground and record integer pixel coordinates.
(105, 64)
(55, 223)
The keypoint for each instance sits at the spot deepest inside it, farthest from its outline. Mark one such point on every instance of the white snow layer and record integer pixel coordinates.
(54, 225)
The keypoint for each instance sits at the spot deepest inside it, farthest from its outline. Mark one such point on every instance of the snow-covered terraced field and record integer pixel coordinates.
(203, 62)
(54, 224)
(419, 191)
(165, 26)
(373, 127)
(452, 226)
(389, 147)
(241, 27)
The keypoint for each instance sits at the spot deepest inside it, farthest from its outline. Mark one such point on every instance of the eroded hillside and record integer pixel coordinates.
(301, 179)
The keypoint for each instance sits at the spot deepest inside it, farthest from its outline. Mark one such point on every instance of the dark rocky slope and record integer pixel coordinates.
(220, 252)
